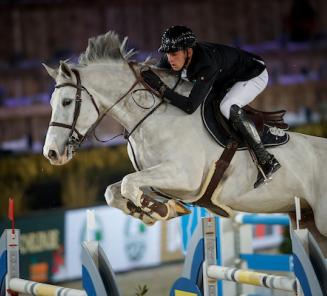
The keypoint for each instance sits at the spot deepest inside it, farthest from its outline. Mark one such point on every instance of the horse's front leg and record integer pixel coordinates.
(163, 176)
(115, 199)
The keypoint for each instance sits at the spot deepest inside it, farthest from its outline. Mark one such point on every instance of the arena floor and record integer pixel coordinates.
(158, 280)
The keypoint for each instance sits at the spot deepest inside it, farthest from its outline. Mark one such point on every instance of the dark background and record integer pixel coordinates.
(291, 36)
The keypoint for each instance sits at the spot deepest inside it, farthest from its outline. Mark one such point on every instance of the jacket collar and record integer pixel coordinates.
(200, 60)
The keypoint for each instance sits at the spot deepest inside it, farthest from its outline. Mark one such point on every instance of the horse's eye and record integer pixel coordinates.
(66, 102)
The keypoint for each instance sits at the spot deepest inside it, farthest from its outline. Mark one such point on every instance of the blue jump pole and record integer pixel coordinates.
(262, 219)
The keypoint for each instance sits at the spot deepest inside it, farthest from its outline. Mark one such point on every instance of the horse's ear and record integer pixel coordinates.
(64, 70)
(52, 72)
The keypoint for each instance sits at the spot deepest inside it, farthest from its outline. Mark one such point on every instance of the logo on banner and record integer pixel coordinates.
(95, 234)
(135, 239)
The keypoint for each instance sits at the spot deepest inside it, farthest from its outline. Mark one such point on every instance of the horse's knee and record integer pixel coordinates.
(130, 190)
(124, 189)
(112, 192)
(109, 196)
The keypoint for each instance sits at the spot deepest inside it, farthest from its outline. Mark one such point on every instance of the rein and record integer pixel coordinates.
(127, 135)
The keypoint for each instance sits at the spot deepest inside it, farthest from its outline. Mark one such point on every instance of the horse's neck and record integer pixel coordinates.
(109, 83)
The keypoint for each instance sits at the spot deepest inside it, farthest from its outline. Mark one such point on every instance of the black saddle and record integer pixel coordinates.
(270, 125)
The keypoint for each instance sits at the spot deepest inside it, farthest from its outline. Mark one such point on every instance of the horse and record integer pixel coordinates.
(170, 150)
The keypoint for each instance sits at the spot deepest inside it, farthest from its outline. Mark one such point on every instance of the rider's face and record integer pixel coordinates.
(177, 59)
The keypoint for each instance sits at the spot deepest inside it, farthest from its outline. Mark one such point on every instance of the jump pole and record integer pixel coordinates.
(9, 272)
(98, 277)
(34, 288)
(229, 244)
(97, 274)
(244, 276)
(265, 219)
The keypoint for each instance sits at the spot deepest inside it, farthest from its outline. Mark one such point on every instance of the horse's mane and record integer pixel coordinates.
(105, 47)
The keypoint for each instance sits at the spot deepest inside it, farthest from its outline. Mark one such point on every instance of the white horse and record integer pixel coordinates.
(172, 149)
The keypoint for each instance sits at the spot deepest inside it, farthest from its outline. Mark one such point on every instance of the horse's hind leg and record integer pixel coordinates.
(115, 199)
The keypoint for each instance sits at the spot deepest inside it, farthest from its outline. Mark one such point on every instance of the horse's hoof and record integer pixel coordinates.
(178, 208)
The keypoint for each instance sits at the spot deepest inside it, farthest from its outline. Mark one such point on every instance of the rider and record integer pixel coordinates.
(213, 67)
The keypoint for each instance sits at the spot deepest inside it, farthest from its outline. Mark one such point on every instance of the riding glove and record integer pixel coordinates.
(153, 80)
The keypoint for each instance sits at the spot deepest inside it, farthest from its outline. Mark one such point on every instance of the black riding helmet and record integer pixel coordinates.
(177, 38)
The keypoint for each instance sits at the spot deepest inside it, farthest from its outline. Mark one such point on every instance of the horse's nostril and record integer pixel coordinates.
(52, 155)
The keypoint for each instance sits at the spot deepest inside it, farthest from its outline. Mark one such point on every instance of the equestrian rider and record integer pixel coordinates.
(212, 68)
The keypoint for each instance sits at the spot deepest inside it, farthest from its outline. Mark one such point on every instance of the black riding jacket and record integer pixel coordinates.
(213, 68)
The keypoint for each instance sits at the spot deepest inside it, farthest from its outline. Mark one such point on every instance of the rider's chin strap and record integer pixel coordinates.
(187, 60)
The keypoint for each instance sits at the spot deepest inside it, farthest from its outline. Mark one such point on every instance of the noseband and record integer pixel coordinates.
(77, 141)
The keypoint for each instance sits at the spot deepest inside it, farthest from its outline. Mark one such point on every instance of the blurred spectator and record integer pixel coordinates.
(62, 54)
(2, 95)
(308, 114)
(322, 71)
(16, 58)
(301, 21)
(304, 71)
(322, 106)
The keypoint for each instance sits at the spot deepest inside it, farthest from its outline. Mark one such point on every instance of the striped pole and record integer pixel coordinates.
(38, 289)
(262, 219)
(252, 278)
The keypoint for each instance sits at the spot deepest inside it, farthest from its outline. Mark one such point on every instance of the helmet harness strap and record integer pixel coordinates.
(187, 59)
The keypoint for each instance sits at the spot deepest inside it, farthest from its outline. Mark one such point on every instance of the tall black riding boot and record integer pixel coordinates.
(267, 164)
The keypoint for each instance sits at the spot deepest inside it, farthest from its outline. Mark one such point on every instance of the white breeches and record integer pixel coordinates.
(243, 92)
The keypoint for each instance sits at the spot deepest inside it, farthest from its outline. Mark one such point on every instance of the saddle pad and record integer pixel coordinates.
(270, 135)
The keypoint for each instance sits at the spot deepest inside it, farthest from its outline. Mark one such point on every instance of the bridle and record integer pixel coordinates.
(78, 101)
(77, 141)
(73, 142)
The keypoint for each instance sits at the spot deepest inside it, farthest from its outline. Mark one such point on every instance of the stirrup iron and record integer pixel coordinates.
(266, 179)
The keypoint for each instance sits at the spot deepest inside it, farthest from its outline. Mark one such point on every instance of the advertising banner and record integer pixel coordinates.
(128, 243)
(41, 245)
(51, 242)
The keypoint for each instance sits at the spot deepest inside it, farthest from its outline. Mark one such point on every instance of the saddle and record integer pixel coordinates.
(270, 125)
(271, 128)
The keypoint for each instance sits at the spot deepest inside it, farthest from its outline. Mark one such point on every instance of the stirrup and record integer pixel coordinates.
(263, 181)
(265, 178)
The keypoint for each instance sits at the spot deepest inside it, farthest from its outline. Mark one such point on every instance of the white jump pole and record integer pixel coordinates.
(39, 289)
(251, 278)
(10, 244)
(98, 276)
